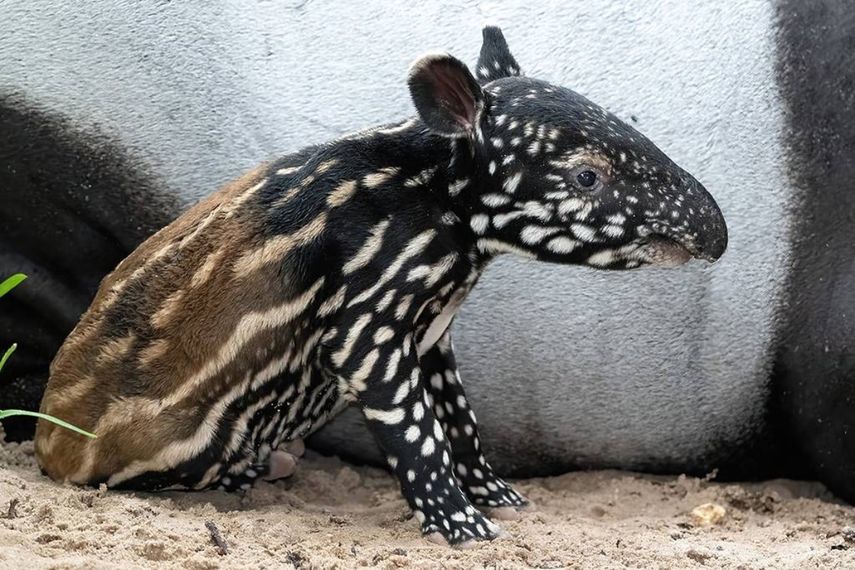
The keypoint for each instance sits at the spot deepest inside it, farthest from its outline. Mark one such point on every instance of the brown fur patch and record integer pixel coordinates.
(277, 248)
(154, 350)
(582, 157)
(171, 305)
(171, 279)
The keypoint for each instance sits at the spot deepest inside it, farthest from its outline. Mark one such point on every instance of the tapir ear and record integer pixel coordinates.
(446, 95)
(495, 60)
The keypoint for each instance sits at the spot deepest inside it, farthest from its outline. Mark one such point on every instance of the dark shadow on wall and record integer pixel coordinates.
(72, 205)
(814, 377)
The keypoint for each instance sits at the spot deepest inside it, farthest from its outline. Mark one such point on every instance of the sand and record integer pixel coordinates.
(333, 515)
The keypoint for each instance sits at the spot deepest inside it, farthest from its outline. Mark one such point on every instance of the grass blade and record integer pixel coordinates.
(7, 285)
(9, 413)
(6, 356)
(11, 282)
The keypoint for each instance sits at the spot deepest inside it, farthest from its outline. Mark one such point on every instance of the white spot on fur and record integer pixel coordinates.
(602, 258)
(583, 232)
(494, 200)
(449, 218)
(612, 230)
(401, 393)
(501, 220)
(392, 366)
(510, 185)
(380, 177)
(617, 219)
(455, 187)
(412, 434)
(368, 250)
(479, 223)
(357, 380)
(532, 235)
(418, 411)
(493, 246)
(420, 179)
(389, 417)
(561, 244)
(383, 334)
(537, 210)
(341, 355)
(413, 248)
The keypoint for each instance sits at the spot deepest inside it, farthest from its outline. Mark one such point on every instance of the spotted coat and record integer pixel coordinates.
(331, 277)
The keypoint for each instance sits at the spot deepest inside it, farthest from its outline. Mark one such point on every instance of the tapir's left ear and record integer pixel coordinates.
(495, 60)
(446, 95)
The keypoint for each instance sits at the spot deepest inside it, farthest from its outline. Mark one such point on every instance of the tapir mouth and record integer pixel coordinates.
(663, 251)
(665, 246)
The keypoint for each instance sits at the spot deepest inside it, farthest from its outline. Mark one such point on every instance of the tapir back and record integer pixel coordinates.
(163, 322)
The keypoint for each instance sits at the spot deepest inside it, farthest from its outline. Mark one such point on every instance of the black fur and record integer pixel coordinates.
(814, 377)
(495, 60)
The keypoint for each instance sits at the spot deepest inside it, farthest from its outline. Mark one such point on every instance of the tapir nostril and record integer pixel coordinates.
(716, 244)
(718, 249)
(709, 224)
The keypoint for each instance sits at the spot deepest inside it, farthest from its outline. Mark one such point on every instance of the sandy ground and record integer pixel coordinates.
(332, 515)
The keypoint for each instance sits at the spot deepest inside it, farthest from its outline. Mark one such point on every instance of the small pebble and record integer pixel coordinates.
(708, 514)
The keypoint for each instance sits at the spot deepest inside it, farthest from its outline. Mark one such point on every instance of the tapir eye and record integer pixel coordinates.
(586, 178)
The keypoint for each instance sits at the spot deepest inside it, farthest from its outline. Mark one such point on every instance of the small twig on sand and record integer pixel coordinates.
(217, 538)
(13, 508)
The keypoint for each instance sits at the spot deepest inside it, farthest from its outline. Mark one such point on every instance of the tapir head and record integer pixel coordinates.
(554, 176)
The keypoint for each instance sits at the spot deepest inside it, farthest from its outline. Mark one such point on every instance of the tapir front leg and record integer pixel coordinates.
(455, 415)
(387, 383)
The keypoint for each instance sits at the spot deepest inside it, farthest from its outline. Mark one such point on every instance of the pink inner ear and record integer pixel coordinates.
(454, 94)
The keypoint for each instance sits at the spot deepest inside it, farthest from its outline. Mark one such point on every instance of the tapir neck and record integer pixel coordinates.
(442, 168)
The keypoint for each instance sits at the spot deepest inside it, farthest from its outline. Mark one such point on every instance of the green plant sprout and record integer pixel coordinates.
(6, 286)
(11, 282)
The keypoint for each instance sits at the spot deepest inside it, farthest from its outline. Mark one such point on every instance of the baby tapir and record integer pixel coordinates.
(331, 277)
